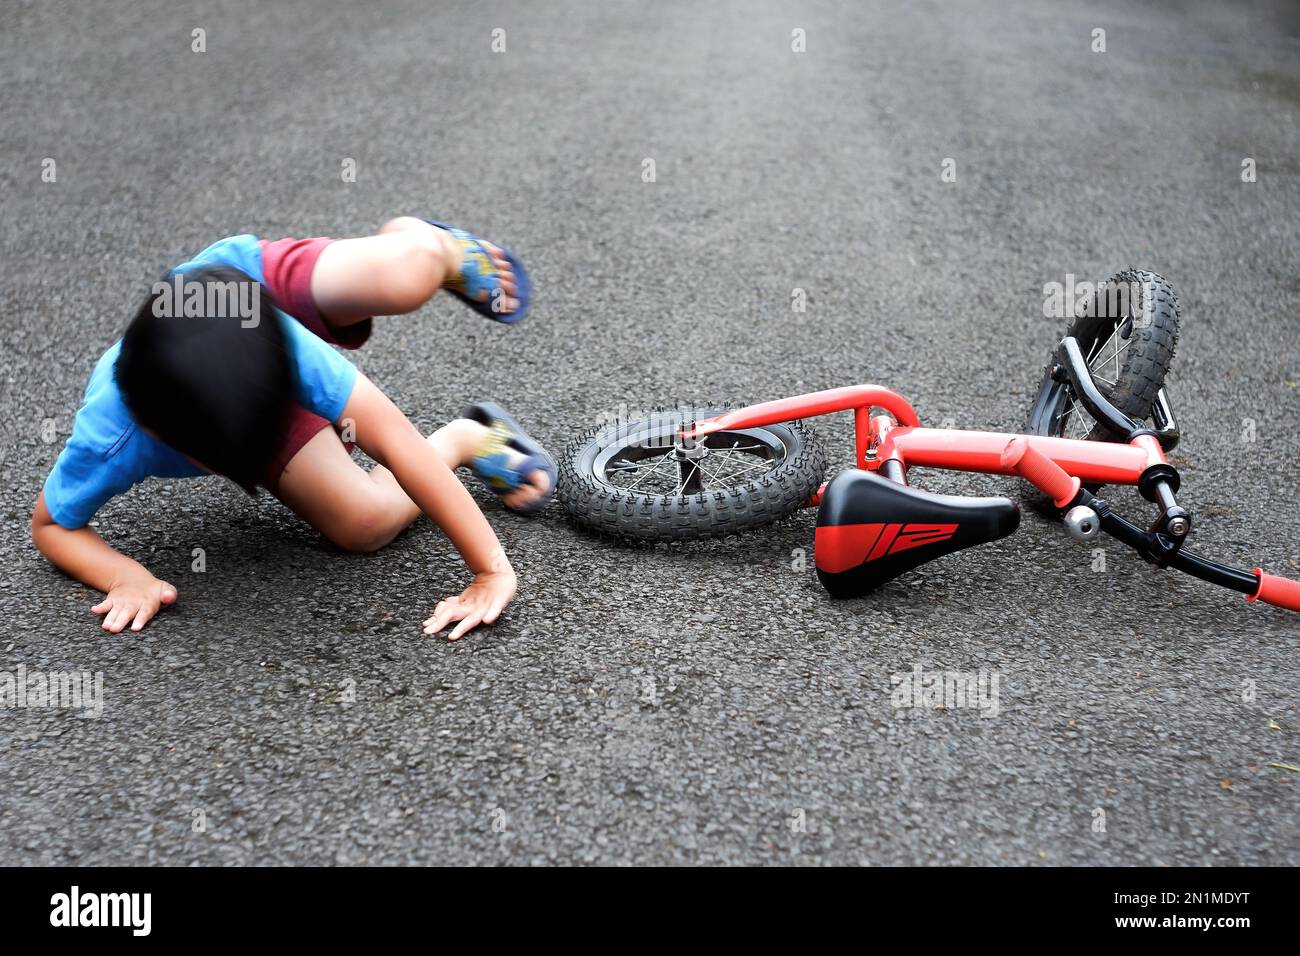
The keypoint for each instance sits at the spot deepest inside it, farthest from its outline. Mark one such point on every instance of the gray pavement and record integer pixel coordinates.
(705, 704)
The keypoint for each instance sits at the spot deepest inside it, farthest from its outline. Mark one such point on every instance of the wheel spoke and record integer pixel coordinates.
(720, 467)
(1077, 419)
(1092, 353)
(643, 477)
(740, 447)
(748, 467)
(682, 472)
(1098, 359)
(722, 462)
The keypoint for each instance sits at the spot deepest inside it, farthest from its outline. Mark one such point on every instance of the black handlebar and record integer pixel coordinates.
(1160, 549)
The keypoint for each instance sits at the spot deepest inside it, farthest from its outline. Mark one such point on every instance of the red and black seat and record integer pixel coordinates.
(871, 529)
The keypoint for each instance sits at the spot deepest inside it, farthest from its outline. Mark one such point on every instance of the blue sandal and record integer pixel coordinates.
(477, 274)
(492, 463)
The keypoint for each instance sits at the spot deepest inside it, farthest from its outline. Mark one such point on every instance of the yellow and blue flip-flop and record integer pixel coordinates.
(478, 274)
(492, 463)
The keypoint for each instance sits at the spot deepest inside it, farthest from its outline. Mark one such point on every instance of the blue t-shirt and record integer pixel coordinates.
(107, 452)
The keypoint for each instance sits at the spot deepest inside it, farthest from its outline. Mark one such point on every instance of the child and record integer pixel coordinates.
(226, 369)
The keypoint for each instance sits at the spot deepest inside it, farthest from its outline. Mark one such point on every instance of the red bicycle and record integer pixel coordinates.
(1101, 417)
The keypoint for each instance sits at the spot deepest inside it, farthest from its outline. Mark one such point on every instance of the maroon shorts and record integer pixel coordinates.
(300, 428)
(287, 266)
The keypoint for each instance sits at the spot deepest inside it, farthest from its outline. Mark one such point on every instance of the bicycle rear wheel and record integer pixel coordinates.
(637, 481)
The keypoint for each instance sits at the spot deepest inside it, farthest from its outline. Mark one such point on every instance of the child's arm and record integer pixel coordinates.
(387, 436)
(133, 595)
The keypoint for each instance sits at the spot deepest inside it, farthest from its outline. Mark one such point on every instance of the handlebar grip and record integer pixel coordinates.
(1280, 592)
(1040, 471)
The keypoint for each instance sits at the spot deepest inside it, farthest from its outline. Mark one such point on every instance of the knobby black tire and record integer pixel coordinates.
(637, 518)
(1150, 351)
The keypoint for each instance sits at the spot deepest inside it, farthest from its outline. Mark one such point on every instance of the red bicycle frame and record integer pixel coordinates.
(880, 440)
(893, 442)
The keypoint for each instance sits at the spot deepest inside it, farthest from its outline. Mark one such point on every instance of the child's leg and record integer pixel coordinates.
(363, 510)
(391, 273)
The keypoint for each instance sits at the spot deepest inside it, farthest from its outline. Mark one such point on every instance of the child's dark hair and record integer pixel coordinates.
(205, 367)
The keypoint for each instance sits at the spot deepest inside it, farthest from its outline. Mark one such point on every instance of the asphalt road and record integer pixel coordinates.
(708, 703)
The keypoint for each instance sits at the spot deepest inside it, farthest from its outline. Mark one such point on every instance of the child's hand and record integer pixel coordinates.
(480, 603)
(134, 601)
